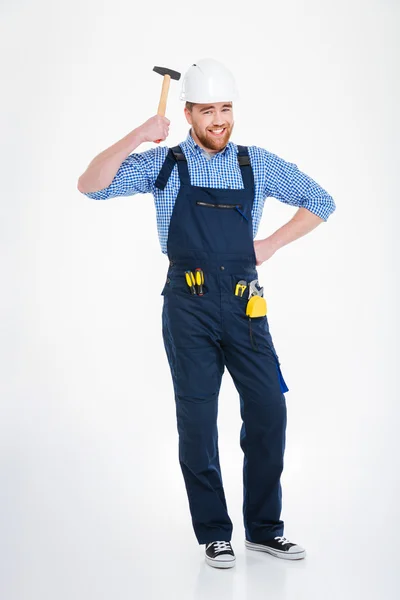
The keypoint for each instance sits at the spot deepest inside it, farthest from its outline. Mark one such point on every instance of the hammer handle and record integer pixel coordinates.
(163, 99)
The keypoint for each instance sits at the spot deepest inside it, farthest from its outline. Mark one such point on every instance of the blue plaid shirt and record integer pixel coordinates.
(273, 176)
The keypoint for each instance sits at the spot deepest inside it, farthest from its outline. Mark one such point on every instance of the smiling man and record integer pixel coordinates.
(209, 195)
(211, 124)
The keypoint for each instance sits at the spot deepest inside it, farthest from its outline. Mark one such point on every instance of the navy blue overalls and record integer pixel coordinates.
(211, 229)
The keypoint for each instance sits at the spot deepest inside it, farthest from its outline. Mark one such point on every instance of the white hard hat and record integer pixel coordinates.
(208, 80)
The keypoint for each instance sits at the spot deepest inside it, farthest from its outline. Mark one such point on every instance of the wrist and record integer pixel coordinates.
(138, 136)
(273, 242)
(133, 140)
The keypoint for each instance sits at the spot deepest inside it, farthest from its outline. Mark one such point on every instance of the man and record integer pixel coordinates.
(209, 195)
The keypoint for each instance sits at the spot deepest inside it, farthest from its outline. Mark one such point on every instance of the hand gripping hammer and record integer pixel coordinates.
(168, 75)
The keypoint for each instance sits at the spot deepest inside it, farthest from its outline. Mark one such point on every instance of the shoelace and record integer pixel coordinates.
(219, 546)
(282, 540)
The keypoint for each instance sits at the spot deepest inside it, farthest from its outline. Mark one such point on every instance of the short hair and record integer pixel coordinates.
(189, 105)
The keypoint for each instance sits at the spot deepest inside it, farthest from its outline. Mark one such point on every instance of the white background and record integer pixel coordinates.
(92, 500)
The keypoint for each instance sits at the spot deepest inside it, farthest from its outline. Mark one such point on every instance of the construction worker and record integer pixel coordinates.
(209, 195)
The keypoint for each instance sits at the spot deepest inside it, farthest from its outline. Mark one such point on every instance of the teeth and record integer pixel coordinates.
(217, 130)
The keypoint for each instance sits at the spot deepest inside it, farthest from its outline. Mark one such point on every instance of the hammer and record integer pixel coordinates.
(168, 75)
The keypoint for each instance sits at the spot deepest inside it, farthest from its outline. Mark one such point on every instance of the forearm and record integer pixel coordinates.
(103, 168)
(302, 223)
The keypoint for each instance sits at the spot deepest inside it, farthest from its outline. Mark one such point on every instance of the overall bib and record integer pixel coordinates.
(211, 229)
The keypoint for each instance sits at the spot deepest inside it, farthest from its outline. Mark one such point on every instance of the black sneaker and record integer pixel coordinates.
(220, 555)
(278, 546)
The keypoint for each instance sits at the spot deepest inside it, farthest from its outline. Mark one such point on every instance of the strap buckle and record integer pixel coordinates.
(179, 155)
(244, 160)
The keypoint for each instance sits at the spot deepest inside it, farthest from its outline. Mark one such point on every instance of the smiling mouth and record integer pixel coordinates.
(217, 132)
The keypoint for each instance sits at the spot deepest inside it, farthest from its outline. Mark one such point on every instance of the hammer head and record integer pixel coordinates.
(164, 71)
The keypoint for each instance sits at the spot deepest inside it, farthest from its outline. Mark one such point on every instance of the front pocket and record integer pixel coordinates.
(227, 206)
(177, 286)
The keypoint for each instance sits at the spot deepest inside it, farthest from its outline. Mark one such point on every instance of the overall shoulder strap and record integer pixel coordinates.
(245, 167)
(174, 156)
(243, 156)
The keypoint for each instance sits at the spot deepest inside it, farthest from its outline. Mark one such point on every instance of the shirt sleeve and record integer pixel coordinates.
(134, 176)
(285, 182)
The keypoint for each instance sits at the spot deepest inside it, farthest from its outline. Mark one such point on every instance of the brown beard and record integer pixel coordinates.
(211, 143)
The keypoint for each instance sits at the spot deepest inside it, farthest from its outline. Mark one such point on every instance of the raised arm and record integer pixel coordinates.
(99, 180)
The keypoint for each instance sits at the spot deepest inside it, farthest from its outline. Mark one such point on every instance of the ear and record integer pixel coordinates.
(188, 115)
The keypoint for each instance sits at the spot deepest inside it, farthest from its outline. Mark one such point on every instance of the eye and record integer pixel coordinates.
(206, 112)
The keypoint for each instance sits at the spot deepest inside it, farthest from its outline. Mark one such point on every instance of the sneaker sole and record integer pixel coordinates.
(220, 564)
(277, 553)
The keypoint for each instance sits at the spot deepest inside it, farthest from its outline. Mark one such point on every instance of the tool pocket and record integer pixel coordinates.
(177, 284)
(266, 337)
(282, 383)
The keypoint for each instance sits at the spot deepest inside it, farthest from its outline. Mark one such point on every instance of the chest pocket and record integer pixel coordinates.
(237, 207)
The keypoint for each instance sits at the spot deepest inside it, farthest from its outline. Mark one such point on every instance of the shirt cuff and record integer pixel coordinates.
(322, 208)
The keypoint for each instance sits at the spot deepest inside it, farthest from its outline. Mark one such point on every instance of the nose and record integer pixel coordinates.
(219, 120)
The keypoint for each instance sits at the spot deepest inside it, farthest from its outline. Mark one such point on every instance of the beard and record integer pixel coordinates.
(209, 141)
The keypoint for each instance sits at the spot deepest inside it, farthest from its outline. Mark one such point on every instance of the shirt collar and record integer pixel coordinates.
(190, 144)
